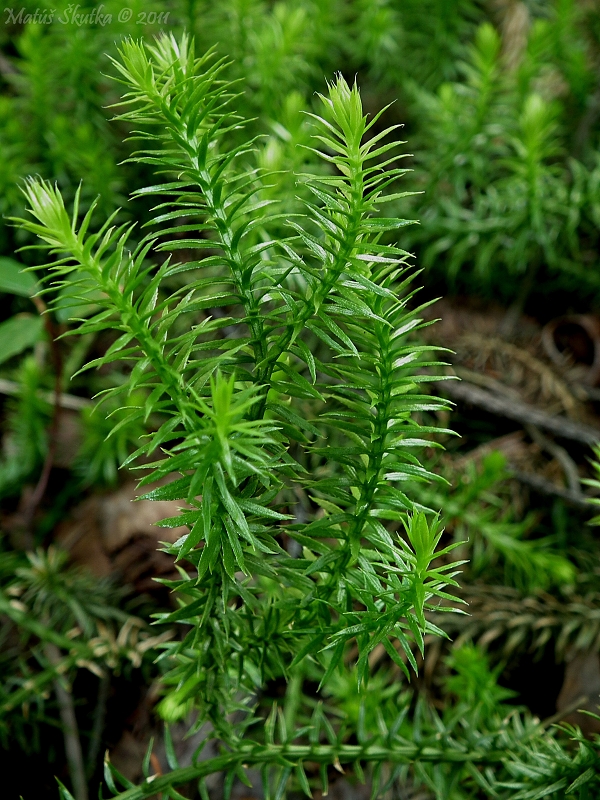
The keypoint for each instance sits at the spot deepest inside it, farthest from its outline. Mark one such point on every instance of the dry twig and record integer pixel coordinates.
(520, 412)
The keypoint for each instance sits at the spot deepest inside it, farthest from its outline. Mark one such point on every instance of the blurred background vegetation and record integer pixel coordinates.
(500, 103)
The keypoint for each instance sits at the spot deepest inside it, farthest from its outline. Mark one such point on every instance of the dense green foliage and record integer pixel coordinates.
(233, 250)
(499, 106)
(244, 411)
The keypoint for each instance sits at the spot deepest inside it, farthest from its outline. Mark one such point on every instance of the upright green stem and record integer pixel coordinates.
(378, 445)
(333, 273)
(215, 204)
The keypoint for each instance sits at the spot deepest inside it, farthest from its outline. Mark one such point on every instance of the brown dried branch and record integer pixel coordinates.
(514, 409)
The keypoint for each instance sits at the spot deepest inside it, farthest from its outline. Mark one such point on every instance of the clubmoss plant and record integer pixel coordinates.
(277, 368)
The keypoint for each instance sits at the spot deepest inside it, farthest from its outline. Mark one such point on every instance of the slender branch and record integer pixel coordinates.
(520, 412)
(40, 489)
(560, 454)
(27, 621)
(70, 728)
(168, 375)
(253, 754)
(36, 685)
(98, 727)
(211, 189)
(57, 363)
(378, 442)
(69, 401)
(351, 233)
(544, 486)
